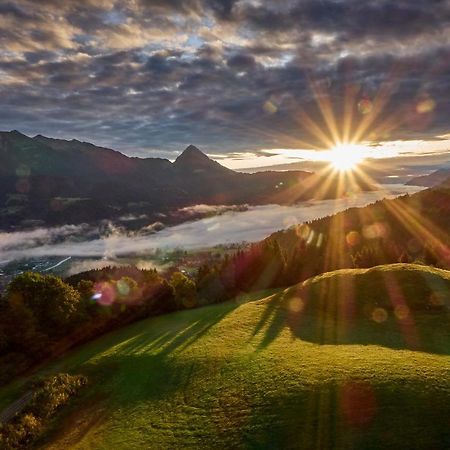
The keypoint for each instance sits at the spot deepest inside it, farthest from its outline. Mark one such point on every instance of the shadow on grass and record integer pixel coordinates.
(133, 366)
(352, 414)
(136, 362)
(178, 333)
(156, 338)
(396, 310)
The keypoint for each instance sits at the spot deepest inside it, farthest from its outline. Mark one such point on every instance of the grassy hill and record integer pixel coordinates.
(350, 359)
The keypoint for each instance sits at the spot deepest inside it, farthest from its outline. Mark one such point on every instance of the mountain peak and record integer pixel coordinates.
(192, 156)
(192, 148)
(194, 160)
(193, 151)
(17, 133)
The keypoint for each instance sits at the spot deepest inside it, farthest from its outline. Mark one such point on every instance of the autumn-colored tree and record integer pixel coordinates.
(184, 290)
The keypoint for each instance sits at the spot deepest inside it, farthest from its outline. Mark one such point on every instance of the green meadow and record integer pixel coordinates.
(352, 359)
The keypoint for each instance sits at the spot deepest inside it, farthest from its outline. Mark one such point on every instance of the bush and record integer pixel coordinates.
(21, 433)
(54, 392)
(50, 395)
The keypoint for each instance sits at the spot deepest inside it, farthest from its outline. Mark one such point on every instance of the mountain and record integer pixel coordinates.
(433, 179)
(194, 160)
(52, 181)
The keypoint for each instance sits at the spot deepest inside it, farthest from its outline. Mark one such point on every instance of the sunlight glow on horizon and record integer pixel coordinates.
(345, 157)
(281, 156)
(344, 140)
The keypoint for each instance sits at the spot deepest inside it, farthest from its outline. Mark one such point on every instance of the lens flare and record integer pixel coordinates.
(296, 305)
(365, 106)
(379, 315)
(358, 403)
(104, 293)
(353, 238)
(425, 106)
(270, 107)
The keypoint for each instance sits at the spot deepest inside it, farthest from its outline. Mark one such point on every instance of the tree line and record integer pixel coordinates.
(41, 316)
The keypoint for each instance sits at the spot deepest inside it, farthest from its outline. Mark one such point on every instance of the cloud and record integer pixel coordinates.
(231, 227)
(350, 17)
(241, 61)
(22, 240)
(85, 265)
(159, 74)
(215, 210)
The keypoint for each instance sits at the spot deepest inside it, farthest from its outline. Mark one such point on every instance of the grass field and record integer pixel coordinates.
(354, 359)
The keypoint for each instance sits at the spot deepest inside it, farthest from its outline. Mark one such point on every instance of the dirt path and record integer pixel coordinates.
(9, 412)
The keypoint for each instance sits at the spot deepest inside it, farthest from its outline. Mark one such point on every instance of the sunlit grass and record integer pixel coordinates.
(312, 366)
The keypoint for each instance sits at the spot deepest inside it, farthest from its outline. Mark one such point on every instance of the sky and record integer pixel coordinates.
(252, 83)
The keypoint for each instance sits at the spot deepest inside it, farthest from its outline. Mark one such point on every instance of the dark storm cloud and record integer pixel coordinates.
(241, 61)
(11, 9)
(226, 75)
(352, 18)
(222, 9)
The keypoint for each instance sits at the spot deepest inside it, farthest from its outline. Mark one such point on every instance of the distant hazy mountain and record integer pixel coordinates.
(53, 181)
(433, 179)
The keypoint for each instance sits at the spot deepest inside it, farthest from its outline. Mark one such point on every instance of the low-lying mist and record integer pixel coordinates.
(249, 225)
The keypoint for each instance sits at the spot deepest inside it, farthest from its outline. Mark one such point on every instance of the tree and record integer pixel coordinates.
(184, 290)
(156, 294)
(86, 290)
(54, 305)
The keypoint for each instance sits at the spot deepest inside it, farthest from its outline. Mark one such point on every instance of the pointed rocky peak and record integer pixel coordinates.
(192, 149)
(192, 156)
(16, 133)
(194, 160)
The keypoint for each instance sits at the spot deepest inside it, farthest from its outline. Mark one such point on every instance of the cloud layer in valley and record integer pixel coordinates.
(231, 227)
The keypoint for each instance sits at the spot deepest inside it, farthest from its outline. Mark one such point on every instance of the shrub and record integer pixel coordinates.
(53, 392)
(21, 433)
(50, 395)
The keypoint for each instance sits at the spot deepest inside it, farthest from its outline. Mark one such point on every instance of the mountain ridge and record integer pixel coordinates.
(433, 179)
(52, 181)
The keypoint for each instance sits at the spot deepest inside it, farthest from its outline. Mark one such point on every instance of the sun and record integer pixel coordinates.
(345, 157)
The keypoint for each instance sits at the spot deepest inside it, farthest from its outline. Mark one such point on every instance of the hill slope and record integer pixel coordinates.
(339, 361)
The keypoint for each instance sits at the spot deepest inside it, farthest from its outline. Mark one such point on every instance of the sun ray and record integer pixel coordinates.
(304, 120)
(323, 100)
(378, 105)
(402, 311)
(420, 227)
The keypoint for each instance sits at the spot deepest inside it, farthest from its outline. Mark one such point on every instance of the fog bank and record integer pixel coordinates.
(230, 227)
